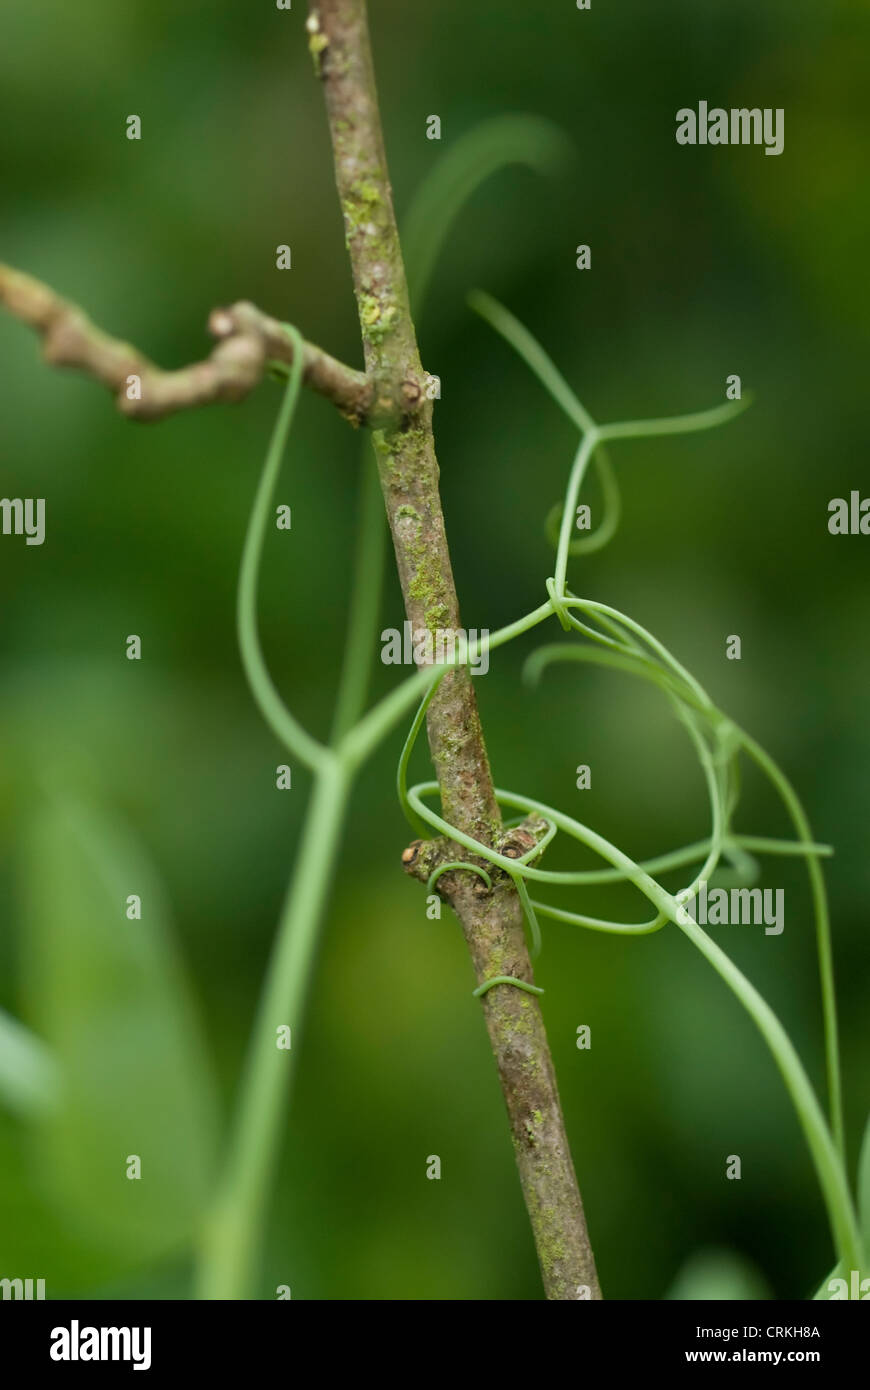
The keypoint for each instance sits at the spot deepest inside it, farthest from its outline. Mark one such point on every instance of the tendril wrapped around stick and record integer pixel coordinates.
(611, 639)
(250, 343)
(617, 641)
(614, 640)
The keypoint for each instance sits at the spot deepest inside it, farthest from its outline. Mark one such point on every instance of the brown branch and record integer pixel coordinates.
(492, 919)
(391, 397)
(248, 341)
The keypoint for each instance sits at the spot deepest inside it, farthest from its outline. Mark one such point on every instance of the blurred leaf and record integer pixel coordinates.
(718, 1274)
(839, 1271)
(110, 998)
(823, 1292)
(491, 146)
(864, 1189)
(32, 1237)
(28, 1075)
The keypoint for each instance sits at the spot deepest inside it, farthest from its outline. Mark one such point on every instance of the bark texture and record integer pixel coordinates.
(492, 920)
(390, 397)
(248, 341)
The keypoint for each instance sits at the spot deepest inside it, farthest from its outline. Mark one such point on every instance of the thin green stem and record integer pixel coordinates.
(826, 1158)
(534, 356)
(823, 936)
(505, 980)
(359, 742)
(611, 503)
(675, 424)
(365, 600)
(466, 164)
(453, 865)
(575, 482)
(282, 723)
(233, 1230)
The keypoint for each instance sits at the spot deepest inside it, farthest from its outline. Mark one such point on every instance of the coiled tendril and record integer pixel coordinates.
(614, 640)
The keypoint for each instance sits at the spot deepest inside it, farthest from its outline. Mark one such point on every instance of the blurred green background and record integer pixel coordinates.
(115, 773)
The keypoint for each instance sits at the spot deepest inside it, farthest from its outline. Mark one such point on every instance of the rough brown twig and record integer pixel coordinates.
(248, 341)
(492, 921)
(391, 397)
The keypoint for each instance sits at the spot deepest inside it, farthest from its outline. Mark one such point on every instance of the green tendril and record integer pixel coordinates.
(529, 910)
(614, 640)
(282, 723)
(456, 864)
(505, 980)
(493, 145)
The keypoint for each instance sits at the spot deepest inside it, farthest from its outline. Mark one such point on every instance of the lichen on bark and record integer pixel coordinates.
(492, 919)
